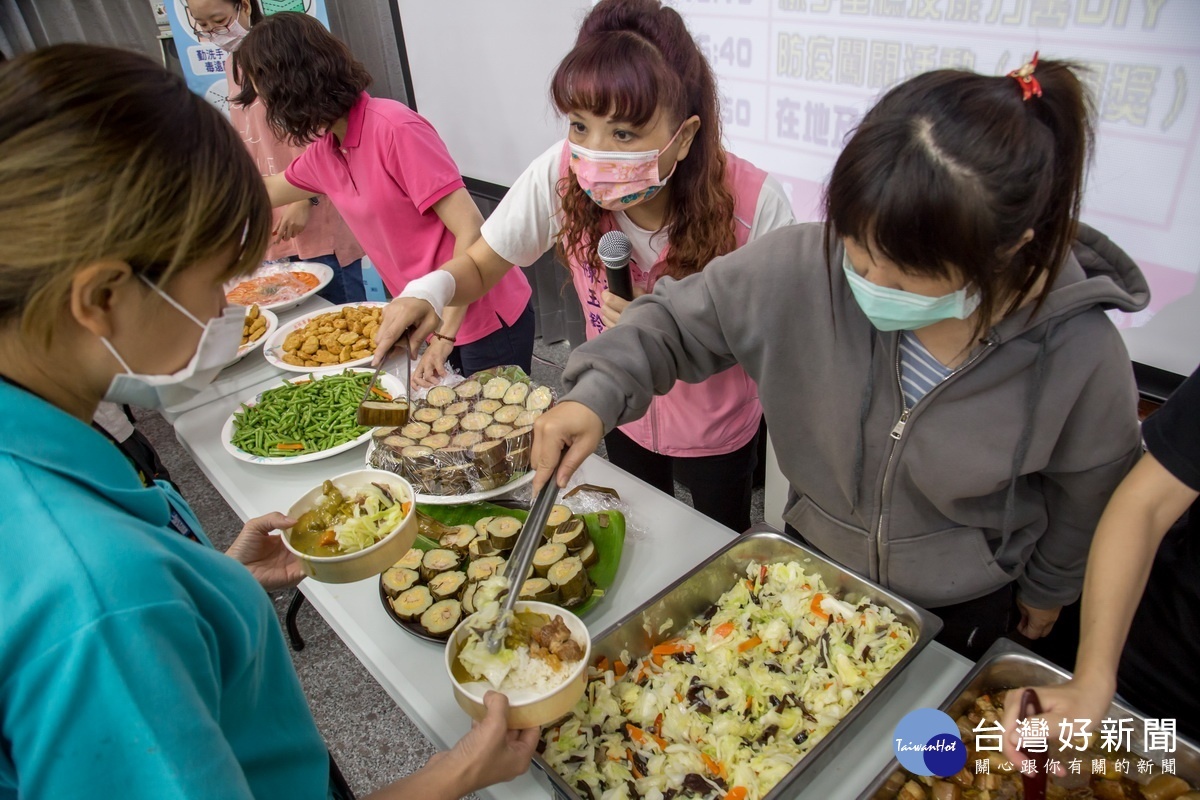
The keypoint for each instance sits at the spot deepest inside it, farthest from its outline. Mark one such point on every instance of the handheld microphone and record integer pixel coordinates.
(614, 250)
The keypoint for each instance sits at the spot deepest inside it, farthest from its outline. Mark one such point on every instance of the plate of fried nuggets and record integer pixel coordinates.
(329, 339)
(257, 328)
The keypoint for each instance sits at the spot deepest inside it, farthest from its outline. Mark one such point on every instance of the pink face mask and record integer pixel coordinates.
(228, 37)
(616, 180)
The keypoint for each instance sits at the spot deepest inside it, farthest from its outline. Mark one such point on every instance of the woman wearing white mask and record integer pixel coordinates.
(137, 661)
(947, 397)
(307, 230)
(643, 155)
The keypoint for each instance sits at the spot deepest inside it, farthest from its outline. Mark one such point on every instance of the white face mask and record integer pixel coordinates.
(218, 346)
(229, 38)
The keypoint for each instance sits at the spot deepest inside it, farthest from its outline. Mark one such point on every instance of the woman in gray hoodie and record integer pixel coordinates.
(948, 400)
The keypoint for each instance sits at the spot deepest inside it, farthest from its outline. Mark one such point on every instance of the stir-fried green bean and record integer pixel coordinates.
(298, 419)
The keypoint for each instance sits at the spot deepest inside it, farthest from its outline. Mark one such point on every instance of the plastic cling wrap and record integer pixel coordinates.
(473, 436)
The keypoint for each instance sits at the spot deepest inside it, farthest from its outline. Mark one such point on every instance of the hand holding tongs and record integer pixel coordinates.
(378, 414)
(522, 557)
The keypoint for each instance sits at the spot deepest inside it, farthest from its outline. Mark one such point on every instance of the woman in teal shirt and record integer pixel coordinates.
(135, 660)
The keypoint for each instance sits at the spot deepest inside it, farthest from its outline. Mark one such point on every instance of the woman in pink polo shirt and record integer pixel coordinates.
(386, 171)
(643, 155)
(307, 230)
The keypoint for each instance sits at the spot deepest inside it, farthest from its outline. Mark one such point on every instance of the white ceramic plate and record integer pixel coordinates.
(272, 325)
(323, 273)
(386, 382)
(273, 349)
(457, 499)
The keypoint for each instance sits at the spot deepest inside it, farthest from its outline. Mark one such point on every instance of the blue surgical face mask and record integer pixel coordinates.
(897, 310)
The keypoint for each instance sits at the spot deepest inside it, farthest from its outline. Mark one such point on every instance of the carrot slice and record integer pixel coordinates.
(658, 725)
(328, 539)
(376, 390)
(753, 641)
(673, 646)
(815, 607)
(762, 574)
(290, 446)
(894, 635)
(619, 668)
(669, 648)
(602, 664)
(716, 768)
(723, 630)
(736, 793)
(639, 736)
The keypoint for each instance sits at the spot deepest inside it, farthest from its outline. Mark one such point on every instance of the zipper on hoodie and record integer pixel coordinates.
(897, 433)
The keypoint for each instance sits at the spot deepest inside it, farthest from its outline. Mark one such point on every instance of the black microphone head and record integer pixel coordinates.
(615, 249)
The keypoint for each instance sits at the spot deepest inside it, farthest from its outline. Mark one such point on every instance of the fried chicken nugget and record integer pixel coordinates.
(310, 346)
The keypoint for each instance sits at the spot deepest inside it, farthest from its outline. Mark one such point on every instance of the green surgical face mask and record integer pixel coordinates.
(897, 310)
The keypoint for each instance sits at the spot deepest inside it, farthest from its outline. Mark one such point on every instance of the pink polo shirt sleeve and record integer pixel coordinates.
(421, 164)
(300, 172)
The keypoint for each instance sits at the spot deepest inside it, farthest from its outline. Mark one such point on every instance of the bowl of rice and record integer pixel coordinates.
(542, 667)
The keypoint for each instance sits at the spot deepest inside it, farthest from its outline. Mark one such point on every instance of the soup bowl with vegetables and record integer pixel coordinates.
(541, 668)
(353, 526)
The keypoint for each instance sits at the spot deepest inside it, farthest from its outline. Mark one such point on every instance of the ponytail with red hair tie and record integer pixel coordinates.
(1024, 78)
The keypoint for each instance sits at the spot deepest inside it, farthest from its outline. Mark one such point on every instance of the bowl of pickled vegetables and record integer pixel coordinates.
(353, 526)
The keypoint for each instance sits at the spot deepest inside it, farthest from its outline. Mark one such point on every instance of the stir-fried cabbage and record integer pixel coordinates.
(371, 516)
(735, 701)
(474, 654)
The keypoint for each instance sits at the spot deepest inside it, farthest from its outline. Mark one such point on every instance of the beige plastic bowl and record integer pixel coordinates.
(536, 711)
(376, 558)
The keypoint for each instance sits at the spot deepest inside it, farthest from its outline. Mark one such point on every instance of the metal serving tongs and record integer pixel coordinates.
(378, 413)
(1035, 784)
(522, 557)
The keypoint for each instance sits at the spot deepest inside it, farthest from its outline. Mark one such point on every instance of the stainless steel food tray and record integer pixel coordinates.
(1008, 665)
(689, 597)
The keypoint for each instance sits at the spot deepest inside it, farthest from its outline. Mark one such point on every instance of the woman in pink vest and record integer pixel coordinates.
(308, 230)
(643, 155)
(388, 173)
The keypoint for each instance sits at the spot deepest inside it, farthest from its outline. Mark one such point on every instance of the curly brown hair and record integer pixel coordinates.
(632, 60)
(305, 75)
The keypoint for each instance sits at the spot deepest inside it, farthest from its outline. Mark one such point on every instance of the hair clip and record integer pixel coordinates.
(1024, 78)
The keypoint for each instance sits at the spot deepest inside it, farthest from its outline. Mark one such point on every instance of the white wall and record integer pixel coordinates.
(481, 74)
(796, 75)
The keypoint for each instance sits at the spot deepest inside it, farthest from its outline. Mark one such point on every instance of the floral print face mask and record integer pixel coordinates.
(616, 180)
